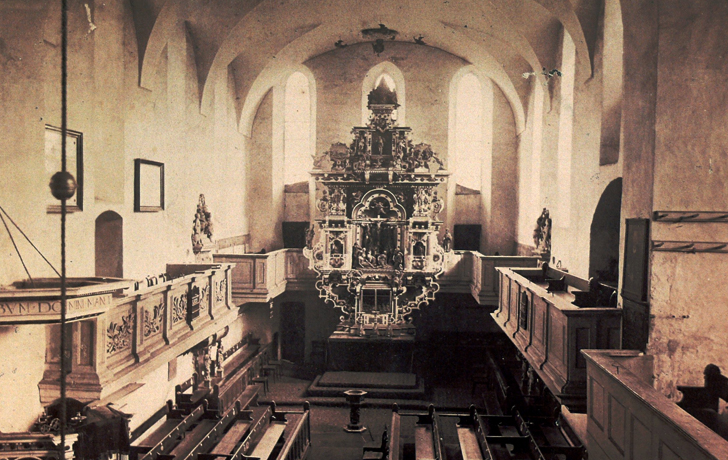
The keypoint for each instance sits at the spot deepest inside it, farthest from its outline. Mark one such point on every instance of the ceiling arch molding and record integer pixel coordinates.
(319, 41)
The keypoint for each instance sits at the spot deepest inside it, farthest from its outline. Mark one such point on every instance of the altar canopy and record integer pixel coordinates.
(374, 244)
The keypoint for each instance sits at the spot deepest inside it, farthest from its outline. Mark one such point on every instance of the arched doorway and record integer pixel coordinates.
(604, 235)
(109, 245)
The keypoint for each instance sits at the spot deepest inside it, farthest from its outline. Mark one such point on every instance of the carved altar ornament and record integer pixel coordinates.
(201, 226)
(422, 201)
(339, 154)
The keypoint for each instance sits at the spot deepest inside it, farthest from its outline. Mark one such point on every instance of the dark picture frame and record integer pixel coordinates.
(636, 258)
(74, 164)
(148, 186)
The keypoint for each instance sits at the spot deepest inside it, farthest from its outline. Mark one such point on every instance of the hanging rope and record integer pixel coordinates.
(17, 250)
(27, 239)
(64, 130)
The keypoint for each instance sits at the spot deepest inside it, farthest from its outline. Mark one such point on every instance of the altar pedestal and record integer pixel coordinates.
(370, 354)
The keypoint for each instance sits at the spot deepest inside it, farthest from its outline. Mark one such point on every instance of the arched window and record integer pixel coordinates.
(469, 145)
(297, 140)
(388, 73)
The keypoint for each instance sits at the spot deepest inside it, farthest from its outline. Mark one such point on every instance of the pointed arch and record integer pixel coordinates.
(372, 78)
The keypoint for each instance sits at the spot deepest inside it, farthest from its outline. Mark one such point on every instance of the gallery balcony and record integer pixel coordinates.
(627, 418)
(551, 316)
(120, 330)
(262, 277)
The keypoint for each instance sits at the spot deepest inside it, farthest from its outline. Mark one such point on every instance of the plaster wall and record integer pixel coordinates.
(21, 368)
(688, 291)
(570, 240)
(120, 121)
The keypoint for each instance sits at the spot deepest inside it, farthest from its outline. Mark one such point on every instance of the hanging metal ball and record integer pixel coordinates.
(63, 185)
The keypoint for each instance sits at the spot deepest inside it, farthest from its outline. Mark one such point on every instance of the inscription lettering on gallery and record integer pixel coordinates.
(51, 307)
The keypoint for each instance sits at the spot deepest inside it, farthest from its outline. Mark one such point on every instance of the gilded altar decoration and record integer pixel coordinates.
(201, 226)
(119, 334)
(374, 244)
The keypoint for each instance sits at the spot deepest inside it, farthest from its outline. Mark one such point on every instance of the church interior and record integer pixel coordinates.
(465, 229)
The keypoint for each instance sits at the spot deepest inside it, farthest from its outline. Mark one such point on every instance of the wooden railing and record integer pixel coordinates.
(143, 327)
(549, 330)
(298, 442)
(627, 418)
(262, 277)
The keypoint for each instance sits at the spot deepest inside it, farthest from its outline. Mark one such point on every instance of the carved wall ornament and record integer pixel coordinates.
(542, 233)
(201, 226)
(119, 335)
(179, 307)
(153, 318)
(221, 291)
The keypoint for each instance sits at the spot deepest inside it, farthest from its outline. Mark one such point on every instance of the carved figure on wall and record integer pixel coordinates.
(201, 225)
(542, 232)
(447, 241)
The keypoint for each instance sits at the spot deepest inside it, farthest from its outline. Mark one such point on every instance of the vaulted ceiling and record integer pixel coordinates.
(261, 40)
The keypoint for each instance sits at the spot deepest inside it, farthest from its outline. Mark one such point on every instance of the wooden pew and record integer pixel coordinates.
(202, 437)
(268, 433)
(703, 402)
(427, 436)
(167, 434)
(299, 438)
(190, 394)
(390, 445)
(236, 432)
(471, 436)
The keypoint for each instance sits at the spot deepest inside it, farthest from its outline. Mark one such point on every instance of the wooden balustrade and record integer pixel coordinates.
(142, 326)
(549, 330)
(628, 419)
(262, 277)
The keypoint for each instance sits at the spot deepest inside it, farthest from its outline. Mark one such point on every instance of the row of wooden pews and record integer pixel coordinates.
(471, 436)
(218, 420)
(260, 432)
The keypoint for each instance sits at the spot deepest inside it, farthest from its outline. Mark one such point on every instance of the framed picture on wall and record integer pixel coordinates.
(636, 257)
(74, 165)
(148, 186)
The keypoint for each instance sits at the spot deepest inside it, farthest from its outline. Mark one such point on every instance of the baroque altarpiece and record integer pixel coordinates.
(374, 244)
